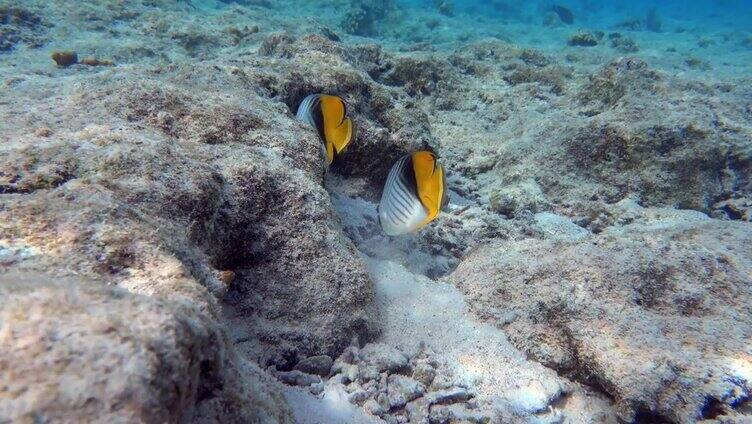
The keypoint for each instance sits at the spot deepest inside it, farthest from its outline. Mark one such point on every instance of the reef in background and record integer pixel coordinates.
(366, 17)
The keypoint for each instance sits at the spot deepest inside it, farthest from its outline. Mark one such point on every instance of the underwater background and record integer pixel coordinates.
(174, 247)
(670, 33)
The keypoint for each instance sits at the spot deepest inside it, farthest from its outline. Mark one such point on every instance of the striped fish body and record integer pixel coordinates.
(328, 115)
(306, 107)
(414, 193)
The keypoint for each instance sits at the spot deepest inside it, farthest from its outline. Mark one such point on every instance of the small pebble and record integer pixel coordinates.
(424, 373)
(317, 388)
(368, 373)
(358, 397)
(373, 407)
(384, 357)
(417, 411)
(43, 132)
(403, 389)
(455, 394)
(297, 378)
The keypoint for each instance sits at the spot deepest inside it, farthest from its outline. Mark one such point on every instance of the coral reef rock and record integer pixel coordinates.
(20, 25)
(617, 312)
(398, 387)
(78, 351)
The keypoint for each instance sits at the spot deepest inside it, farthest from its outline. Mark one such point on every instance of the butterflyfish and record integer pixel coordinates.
(328, 114)
(414, 193)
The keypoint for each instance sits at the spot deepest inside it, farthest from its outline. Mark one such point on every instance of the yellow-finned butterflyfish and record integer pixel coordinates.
(414, 193)
(328, 114)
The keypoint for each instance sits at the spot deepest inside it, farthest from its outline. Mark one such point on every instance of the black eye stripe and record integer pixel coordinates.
(318, 117)
(344, 111)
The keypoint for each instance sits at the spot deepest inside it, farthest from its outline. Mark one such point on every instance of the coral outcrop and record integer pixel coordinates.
(388, 125)
(136, 203)
(634, 139)
(364, 17)
(78, 351)
(616, 312)
(622, 43)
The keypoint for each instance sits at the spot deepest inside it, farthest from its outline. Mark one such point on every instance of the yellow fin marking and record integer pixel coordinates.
(429, 178)
(338, 130)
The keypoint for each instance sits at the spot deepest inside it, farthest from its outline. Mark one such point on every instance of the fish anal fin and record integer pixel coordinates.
(329, 152)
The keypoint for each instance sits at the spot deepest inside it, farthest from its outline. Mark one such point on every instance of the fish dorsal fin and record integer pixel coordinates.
(338, 129)
(429, 182)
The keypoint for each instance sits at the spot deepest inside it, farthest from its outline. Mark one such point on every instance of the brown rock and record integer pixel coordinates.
(65, 58)
(93, 61)
(317, 365)
(424, 373)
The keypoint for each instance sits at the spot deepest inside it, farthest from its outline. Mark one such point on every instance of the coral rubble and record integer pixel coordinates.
(583, 39)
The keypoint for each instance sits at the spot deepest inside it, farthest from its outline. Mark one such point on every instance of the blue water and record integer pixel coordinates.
(668, 34)
(734, 12)
(723, 14)
(675, 16)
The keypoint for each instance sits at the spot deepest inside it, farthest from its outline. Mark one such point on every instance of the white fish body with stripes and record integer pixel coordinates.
(414, 194)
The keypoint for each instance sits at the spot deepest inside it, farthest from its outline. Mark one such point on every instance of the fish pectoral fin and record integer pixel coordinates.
(338, 128)
(342, 135)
